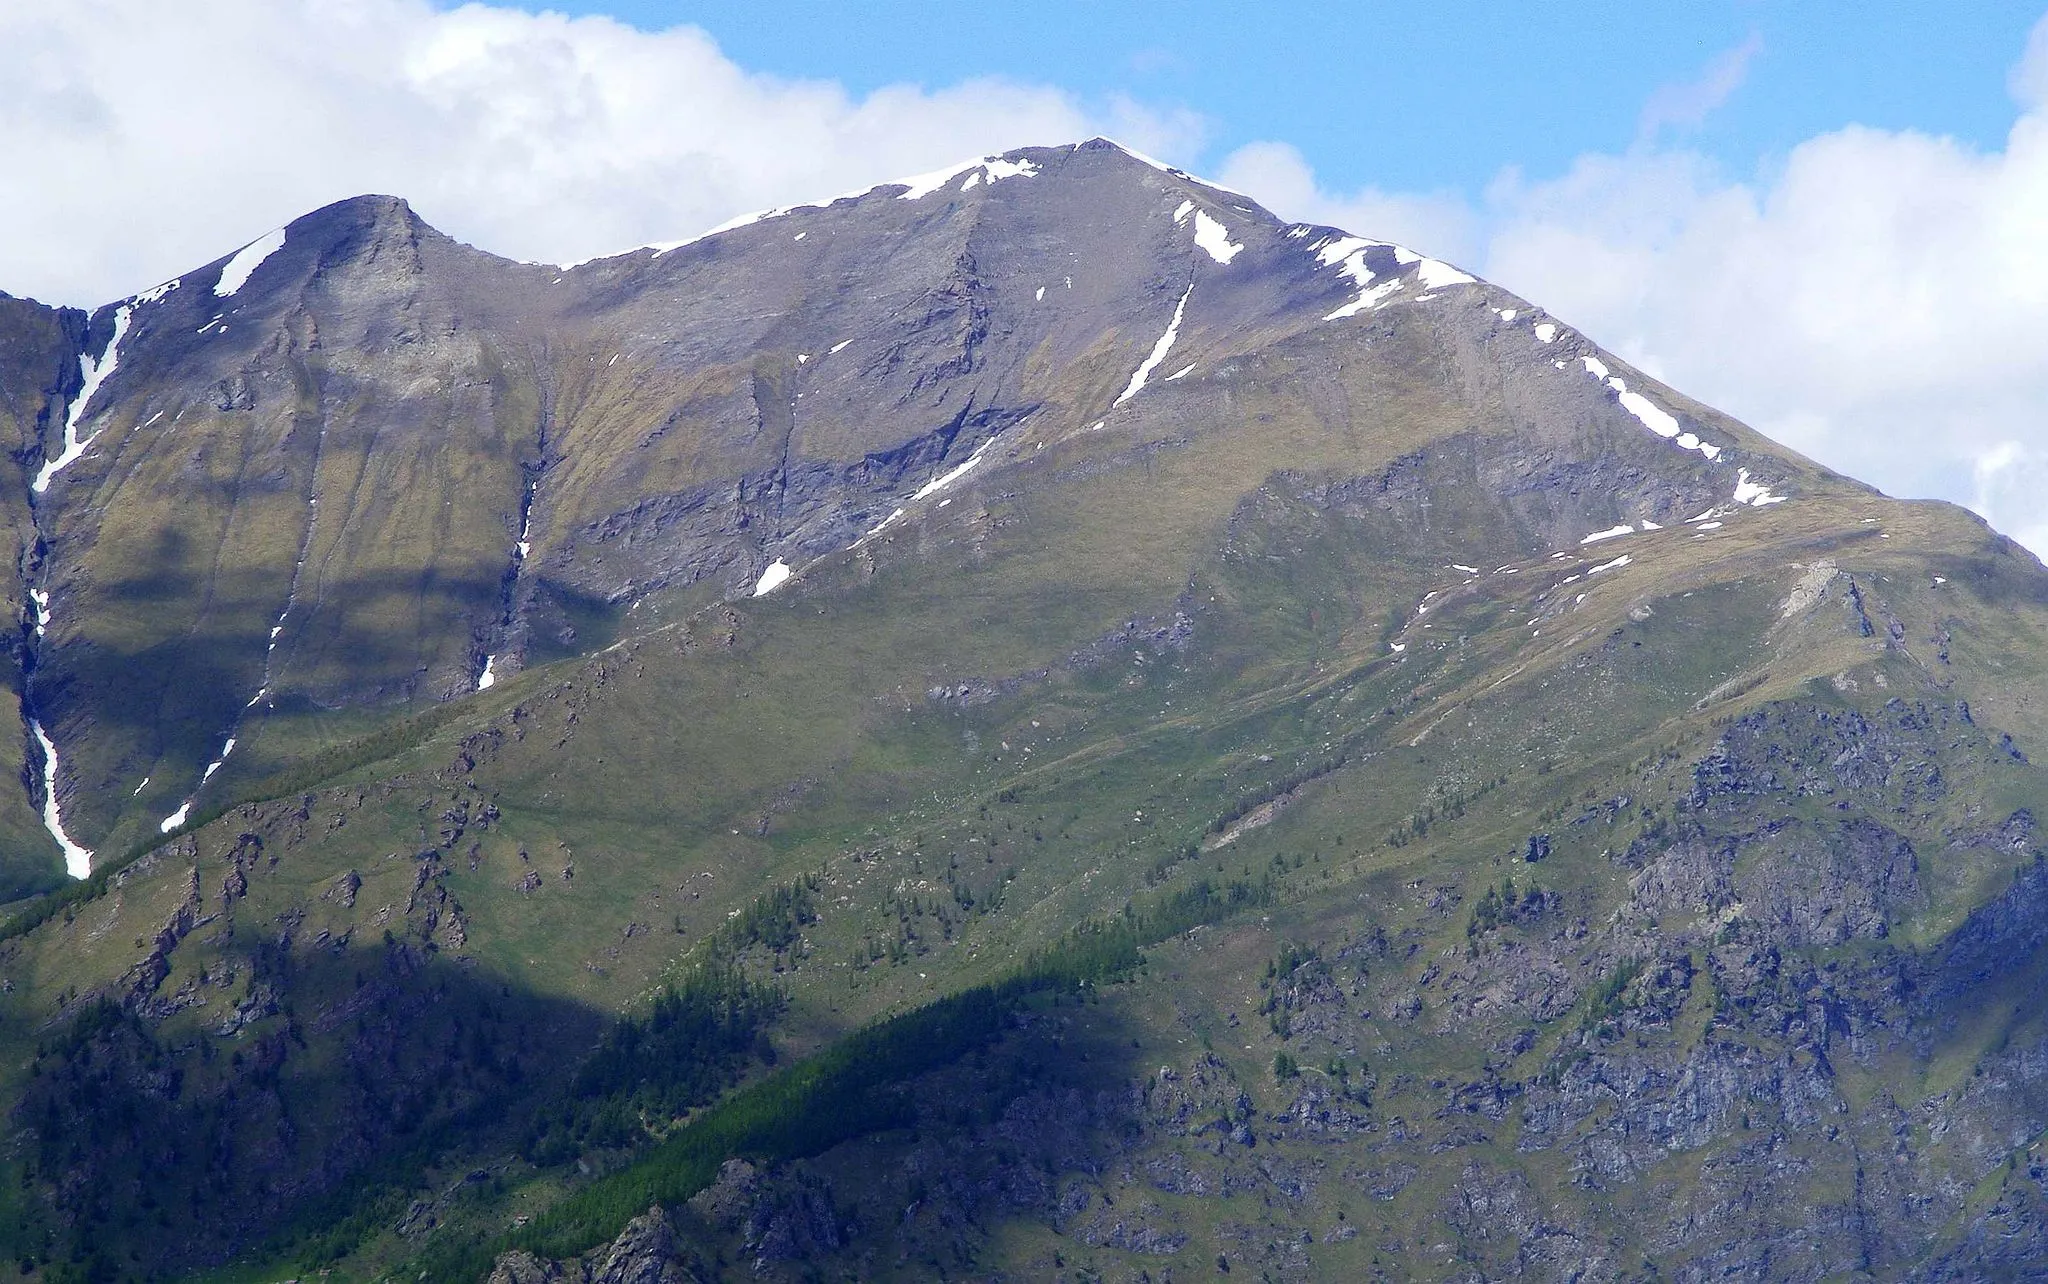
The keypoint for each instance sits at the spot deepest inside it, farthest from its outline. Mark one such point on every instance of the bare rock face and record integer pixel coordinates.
(647, 1251)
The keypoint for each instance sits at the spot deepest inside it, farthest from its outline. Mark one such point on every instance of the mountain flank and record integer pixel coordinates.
(1032, 722)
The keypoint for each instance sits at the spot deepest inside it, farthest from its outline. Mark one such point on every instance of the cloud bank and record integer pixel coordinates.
(139, 139)
(1878, 300)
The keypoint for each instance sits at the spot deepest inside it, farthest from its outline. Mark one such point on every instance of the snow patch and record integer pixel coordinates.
(1595, 367)
(1545, 332)
(1159, 350)
(41, 599)
(1505, 314)
(1610, 533)
(919, 186)
(1653, 416)
(1330, 253)
(772, 578)
(837, 346)
(1369, 298)
(214, 766)
(1213, 237)
(1469, 570)
(1436, 275)
(880, 526)
(488, 678)
(1753, 493)
(247, 259)
(939, 483)
(1608, 566)
(1181, 373)
(1181, 212)
(95, 373)
(77, 859)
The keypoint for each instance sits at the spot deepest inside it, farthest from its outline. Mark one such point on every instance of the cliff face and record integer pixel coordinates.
(1329, 771)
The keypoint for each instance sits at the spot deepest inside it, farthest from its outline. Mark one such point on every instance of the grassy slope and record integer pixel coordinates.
(646, 794)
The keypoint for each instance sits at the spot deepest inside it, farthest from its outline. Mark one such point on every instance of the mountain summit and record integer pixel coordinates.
(1034, 720)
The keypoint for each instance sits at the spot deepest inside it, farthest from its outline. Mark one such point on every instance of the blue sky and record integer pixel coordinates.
(1418, 96)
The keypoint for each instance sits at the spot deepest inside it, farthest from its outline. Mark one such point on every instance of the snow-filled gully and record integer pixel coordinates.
(93, 374)
(1159, 350)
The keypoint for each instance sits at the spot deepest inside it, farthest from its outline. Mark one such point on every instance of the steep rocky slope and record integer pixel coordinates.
(1423, 797)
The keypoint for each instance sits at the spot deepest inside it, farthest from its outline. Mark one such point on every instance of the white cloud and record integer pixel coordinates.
(1687, 104)
(141, 139)
(1878, 304)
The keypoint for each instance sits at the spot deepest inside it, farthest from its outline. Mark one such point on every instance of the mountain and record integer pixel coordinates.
(1035, 721)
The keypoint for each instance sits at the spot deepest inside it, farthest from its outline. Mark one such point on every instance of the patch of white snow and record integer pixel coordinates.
(1333, 252)
(919, 186)
(1608, 566)
(488, 678)
(1545, 332)
(1213, 237)
(1180, 214)
(1436, 275)
(1159, 350)
(1753, 493)
(772, 578)
(944, 480)
(95, 374)
(1653, 416)
(247, 259)
(77, 859)
(1610, 533)
(996, 167)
